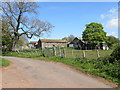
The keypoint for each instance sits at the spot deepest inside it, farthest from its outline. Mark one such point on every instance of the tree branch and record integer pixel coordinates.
(26, 33)
(9, 17)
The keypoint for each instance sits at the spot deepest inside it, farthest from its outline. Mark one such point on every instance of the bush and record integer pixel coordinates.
(109, 65)
(104, 60)
(115, 56)
(113, 70)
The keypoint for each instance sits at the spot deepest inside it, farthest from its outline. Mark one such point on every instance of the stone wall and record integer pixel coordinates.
(44, 44)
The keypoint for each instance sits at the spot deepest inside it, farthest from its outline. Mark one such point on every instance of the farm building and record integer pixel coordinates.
(33, 44)
(42, 43)
(78, 43)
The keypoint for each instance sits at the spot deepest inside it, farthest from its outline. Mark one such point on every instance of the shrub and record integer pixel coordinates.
(109, 64)
(113, 69)
(104, 60)
(115, 56)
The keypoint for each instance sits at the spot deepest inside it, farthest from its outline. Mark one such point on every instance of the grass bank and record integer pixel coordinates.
(92, 66)
(4, 62)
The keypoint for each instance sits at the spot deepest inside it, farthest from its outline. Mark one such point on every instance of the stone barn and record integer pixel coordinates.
(42, 43)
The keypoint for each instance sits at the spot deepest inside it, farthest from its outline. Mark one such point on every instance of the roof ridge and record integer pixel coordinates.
(52, 39)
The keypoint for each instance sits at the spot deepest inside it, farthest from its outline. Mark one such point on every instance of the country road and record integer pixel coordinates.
(30, 73)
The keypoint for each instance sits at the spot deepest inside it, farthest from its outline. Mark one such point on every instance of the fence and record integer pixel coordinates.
(55, 51)
(72, 53)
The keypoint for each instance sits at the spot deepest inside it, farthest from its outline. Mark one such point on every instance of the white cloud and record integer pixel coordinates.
(113, 10)
(112, 34)
(112, 18)
(112, 23)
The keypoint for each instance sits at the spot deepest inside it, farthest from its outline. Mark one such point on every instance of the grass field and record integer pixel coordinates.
(72, 53)
(26, 53)
(88, 53)
(4, 62)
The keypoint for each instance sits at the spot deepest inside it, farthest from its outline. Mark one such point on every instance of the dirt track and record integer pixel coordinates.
(29, 73)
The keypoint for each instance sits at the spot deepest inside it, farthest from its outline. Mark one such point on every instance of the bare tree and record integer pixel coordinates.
(18, 15)
(69, 38)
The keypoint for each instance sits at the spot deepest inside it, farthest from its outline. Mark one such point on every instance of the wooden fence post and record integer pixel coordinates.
(54, 51)
(64, 52)
(98, 54)
(43, 53)
(72, 53)
(59, 51)
(83, 54)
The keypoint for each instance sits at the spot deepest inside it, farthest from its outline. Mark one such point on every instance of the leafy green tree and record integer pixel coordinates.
(112, 41)
(6, 37)
(94, 34)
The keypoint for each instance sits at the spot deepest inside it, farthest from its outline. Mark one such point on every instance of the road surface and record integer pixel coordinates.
(30, 73)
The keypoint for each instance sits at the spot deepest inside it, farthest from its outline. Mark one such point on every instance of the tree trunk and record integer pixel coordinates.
(15, 40)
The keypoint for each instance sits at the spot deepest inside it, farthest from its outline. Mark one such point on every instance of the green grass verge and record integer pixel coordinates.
(25, 53)
(4, 62)
(86, 65)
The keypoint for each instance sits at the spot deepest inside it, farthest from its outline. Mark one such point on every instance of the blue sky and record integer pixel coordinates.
(71, 17)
